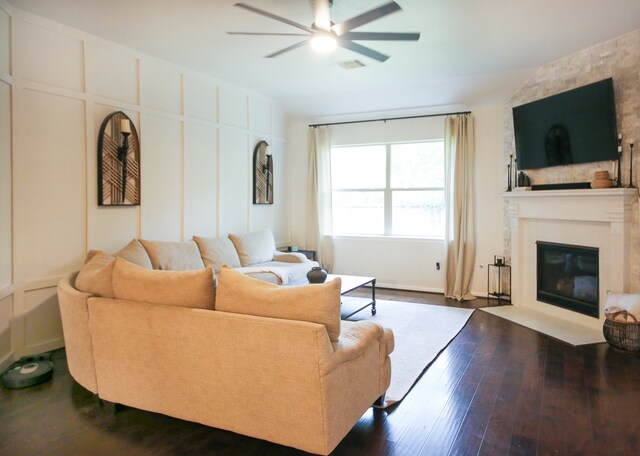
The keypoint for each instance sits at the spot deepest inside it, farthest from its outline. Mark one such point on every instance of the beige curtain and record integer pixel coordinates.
(460, 231)
(319, 223)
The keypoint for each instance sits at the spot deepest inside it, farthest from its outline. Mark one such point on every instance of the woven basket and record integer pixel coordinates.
(624, 335)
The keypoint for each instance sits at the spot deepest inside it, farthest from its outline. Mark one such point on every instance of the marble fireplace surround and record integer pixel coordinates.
(594, 218)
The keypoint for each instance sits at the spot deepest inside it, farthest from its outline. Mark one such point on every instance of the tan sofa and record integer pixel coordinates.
(158, 344)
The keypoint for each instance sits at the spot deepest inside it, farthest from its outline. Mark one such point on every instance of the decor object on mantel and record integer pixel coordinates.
(262, 174)
(601, 179)
(631, 141)
(619, 176)
(118, 162)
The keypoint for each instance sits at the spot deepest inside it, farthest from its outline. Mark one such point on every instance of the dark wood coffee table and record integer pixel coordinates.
(353, 304)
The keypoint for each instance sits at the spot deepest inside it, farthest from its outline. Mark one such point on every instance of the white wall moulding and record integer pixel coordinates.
(163, 87)
(112, 74)
(64, 83)
(5, 33)
(48, 57)
(593, 218)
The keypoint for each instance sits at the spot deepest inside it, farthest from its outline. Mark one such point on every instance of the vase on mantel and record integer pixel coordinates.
(601, 179)
(317, 275)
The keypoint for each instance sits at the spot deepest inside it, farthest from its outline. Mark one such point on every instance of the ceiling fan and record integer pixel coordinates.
(324, 35)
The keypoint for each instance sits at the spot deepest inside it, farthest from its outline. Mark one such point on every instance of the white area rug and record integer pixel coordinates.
(421, 332)
(564, 330)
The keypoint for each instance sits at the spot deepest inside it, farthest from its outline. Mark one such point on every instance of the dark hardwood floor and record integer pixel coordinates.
(497, 389)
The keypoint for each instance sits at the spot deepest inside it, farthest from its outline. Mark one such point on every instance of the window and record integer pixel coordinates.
(389, 189)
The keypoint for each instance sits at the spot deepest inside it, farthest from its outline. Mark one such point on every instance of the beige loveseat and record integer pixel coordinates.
(268, 361)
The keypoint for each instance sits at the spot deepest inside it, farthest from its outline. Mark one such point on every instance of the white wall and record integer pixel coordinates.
(6, 278)
(401, 262)
(197, 136)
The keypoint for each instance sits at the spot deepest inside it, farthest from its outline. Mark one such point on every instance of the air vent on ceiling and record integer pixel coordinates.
(351, 64)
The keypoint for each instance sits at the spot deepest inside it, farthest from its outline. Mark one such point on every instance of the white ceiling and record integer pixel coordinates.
(471, 52)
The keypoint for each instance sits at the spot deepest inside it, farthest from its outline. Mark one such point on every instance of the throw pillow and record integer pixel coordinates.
(173, 256)
(176, 288)
(135, 253)
(255, 247)
(216, 252)
(317, 303)
(95, 276)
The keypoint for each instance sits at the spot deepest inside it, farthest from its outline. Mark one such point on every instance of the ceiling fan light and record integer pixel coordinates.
(323, 42)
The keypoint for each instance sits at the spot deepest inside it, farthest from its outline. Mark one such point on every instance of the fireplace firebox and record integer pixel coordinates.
(568, 277)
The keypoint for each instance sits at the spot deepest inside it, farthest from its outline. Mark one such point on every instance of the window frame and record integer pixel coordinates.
(388, 192)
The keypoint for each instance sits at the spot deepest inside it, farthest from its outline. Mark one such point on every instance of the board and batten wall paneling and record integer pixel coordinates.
(161, 167)
(163, 87)
(6, 335)
(42, 324)
(260, 115)
(112, 74)
(195, 161)
(279, 210)
(48, 57)
(5, 33)
(234, 186)
(6, 247)
(49, 185)
(200, 179)
(108, 228)
(5, 185)
(233, 106)
(200, 97)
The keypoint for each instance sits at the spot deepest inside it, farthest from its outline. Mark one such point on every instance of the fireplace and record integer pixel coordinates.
(568, 276)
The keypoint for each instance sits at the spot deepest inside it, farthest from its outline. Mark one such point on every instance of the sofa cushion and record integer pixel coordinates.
(177, 288)
(134, 253)
(173, 256)
(317, 303)
(255, 247)
(216, 252)
(95, 277)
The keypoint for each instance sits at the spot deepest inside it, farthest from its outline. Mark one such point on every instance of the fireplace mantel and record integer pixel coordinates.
(591, 217)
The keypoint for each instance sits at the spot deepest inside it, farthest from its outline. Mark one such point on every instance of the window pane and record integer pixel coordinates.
(358, 167)
(418, 213)
(417, 165)
(358, 212)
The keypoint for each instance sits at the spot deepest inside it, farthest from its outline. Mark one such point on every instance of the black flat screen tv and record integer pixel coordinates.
(577, 126)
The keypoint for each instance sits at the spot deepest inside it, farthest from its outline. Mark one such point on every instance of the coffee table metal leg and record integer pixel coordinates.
(373, 297)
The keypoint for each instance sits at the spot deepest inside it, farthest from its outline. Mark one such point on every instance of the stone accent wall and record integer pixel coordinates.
(619, 59)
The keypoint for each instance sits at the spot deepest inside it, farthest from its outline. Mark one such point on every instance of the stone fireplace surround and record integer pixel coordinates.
(594, 218)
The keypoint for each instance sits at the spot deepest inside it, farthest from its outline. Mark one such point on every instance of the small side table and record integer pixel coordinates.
(311, 254)
(500, 288)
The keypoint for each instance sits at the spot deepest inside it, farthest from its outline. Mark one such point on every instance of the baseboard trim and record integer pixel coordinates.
(6, 361)
(43, 347)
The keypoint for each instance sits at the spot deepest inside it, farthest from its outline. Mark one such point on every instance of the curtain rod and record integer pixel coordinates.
(391, 118)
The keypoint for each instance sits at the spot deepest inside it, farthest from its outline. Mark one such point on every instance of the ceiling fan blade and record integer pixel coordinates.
(365, 18)
(321, 17)
(253, 9)
(287, 49)
(362, 50)
(380, 36)
(269, 34)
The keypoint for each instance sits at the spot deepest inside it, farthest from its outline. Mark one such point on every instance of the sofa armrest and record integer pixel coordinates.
(290, 257)
(355, 339)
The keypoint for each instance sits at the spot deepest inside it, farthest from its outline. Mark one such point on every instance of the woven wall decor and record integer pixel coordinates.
(262, 174)
(118, 162)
